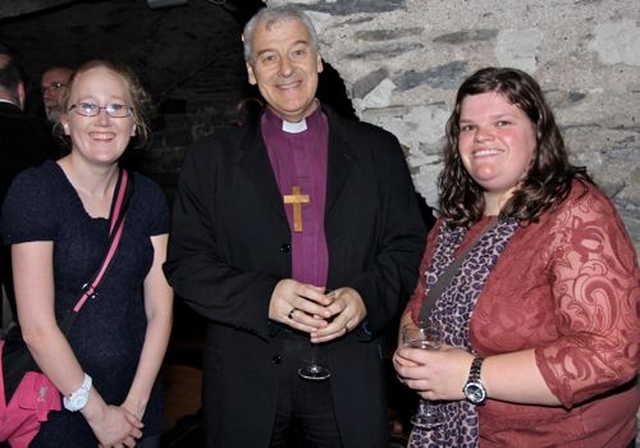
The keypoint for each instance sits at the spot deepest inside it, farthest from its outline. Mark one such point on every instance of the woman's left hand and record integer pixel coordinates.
(131, 439)
(434, 374)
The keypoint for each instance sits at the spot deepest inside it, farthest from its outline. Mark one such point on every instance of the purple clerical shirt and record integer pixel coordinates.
(298, 155)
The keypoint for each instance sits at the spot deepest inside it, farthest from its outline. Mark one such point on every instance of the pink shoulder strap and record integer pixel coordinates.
(117, 224)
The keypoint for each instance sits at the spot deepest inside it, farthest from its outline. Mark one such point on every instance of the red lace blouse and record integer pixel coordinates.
(569, 286)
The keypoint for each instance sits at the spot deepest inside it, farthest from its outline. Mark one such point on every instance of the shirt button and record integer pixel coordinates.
(276, 359)
(285, 248)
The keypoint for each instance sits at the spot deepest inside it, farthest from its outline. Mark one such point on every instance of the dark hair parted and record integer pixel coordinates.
(550, 175)
(140, 100)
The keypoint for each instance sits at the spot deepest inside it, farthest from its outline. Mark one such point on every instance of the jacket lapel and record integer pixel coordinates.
(340, 160)
(254, 163)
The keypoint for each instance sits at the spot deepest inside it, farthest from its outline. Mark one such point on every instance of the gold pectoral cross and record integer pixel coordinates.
(296, 199)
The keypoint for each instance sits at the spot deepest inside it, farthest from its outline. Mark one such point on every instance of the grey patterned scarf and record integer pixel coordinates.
(453, 310)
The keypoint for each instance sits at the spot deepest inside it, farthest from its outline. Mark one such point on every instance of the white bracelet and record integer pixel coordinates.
(78, 400)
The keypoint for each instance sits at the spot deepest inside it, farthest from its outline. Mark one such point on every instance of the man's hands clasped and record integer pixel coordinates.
(324, 315)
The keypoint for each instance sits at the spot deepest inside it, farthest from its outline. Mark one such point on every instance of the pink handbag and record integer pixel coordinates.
(20, 419)
(31, 394)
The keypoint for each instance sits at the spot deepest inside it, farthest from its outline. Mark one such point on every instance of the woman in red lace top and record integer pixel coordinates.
(546, 304)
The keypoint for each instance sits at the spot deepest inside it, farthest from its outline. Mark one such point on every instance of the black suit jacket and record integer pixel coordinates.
(25, 141)
(229, 246)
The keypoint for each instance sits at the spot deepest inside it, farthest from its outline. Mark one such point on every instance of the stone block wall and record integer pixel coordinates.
(402, 61)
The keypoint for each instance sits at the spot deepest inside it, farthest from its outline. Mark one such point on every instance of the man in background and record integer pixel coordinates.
(26, 141)
(53, 85)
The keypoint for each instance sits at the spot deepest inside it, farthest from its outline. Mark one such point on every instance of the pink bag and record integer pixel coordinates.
(20, 419)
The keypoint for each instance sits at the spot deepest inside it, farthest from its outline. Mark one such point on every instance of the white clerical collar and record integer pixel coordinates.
(294, 128)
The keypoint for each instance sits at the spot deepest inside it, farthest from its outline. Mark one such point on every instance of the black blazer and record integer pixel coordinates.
(229, 246)
(25, 141)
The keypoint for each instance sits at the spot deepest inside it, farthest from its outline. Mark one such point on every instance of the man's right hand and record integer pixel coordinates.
(301, 306)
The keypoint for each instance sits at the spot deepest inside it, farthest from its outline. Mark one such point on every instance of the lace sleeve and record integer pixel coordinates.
(595, 285)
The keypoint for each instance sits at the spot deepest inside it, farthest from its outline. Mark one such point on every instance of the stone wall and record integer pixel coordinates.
(402, 61)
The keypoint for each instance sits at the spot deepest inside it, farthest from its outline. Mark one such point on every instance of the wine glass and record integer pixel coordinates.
(314, 369)
(425, 336)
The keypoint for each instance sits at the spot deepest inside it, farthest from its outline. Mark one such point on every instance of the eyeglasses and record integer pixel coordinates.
(114, 110)
(54, 86)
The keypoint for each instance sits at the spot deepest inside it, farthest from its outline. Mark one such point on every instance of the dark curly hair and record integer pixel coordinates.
(550, 175)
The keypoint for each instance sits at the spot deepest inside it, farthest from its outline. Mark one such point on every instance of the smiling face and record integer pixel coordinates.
(496, 143)
(100, 139)
(285, 67)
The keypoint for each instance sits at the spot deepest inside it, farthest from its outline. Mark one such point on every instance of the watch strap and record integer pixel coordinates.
(82, 395)
(474, 371)
(474, 390)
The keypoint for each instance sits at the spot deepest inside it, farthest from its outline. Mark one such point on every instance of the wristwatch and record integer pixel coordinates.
(474, 390)
(78, 400)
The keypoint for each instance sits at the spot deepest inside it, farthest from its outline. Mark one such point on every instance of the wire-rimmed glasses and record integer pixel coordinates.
(54, 87)
(114, 110)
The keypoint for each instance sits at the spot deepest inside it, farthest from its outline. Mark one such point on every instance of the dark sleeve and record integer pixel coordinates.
(196, 268)
(426, 212)
(29, 211)
(25, 142)
(387, 283)
(155, 203)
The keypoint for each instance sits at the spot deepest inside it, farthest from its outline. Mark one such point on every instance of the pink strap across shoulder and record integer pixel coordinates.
(90, 289)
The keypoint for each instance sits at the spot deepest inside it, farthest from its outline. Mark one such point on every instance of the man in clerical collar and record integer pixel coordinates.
(298, 236)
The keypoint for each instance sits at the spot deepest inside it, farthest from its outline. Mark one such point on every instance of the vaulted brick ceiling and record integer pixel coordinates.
(166, 44)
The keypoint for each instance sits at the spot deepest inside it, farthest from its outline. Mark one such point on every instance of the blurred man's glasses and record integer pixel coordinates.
(54, 87)
(114, 110)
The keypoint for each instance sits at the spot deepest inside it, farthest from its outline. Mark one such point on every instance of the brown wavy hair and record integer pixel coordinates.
(550, 175)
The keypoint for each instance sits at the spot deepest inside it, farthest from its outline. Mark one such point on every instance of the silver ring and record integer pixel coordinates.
(290, 315)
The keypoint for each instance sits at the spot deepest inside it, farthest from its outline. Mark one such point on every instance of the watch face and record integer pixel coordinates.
(80, 400)
(475, 393)
(77, 401)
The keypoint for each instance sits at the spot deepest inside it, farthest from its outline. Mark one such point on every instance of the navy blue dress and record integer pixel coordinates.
(108, 334)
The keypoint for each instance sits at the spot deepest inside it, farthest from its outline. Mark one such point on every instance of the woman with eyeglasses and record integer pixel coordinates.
(56, 217)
